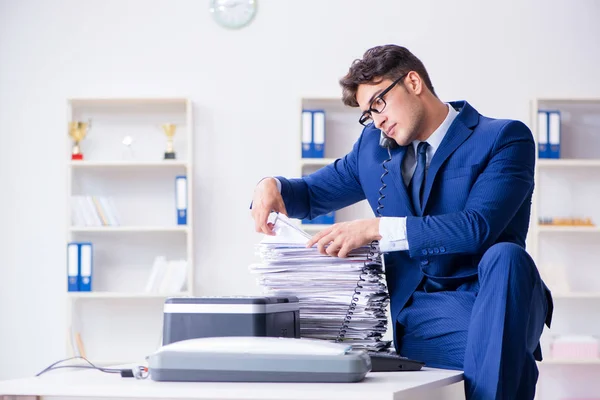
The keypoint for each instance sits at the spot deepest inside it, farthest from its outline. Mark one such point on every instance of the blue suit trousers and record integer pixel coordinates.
(489, 326)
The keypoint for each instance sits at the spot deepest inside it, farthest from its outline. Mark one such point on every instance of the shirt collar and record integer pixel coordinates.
(437, 136)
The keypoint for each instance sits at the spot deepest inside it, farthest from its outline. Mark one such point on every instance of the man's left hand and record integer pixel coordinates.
(346, 236)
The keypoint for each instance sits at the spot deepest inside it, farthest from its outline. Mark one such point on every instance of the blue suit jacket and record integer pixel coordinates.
(477, 193)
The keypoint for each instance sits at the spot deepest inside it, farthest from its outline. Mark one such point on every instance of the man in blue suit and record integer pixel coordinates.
(453, 209)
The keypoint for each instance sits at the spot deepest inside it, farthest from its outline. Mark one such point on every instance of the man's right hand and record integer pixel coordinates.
(266, 199)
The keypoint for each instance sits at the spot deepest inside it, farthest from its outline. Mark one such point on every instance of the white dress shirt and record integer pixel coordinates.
(393, 229)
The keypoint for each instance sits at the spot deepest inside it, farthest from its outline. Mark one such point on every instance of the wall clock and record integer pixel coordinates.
(233, 14)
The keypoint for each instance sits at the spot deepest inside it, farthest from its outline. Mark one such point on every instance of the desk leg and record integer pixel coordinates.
(455, 391)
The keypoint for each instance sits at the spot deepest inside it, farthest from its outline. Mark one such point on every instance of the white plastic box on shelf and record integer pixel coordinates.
(122, 198)
(341, 132)
(567, 253)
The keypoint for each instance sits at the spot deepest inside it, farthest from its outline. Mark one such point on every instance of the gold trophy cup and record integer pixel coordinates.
(78, 131)
(169, 130)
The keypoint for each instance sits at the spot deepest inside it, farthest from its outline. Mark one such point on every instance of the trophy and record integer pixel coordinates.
(169, 130)
(127, 142)
(78, 131)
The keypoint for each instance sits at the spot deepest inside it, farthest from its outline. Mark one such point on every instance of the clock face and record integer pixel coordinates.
(233, 14)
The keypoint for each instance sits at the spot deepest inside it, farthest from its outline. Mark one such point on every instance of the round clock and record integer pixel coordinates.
(233, 14)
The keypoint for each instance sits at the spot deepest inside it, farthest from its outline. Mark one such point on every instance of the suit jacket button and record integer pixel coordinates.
(430, 251)
(424, 252)
(425, 262)
(442, 249)
(436, 250)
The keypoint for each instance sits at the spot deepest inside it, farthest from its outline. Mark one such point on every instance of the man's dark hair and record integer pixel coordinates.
(389, 61)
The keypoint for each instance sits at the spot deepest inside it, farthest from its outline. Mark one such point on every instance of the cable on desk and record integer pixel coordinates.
(139, 372)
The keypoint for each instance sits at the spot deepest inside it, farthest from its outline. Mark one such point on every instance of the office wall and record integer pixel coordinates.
(246, 87)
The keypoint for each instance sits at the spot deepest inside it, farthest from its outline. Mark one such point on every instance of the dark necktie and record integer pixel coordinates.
(418, 178)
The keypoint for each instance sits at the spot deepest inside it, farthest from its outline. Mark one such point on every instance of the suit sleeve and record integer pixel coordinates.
(330, 188)
(496, 196)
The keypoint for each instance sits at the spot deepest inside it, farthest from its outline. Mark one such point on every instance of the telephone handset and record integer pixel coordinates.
(387, 142)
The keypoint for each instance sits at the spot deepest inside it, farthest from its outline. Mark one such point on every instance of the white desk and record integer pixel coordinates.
(426, 384)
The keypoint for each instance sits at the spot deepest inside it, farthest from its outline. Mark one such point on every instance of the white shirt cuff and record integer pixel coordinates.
(278, 184)
(393, 234)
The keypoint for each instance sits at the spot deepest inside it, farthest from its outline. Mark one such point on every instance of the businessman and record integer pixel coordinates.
(452, 223)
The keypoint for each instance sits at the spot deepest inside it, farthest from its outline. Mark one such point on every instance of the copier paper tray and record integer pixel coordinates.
(258, 359)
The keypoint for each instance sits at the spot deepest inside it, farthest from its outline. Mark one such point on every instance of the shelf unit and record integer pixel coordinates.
(123, 295)
(567, 256)
(543, 163)
(570, 362)
(108, 229)
(568, 229)
(130, 164)
(119, 320)
(341, 132)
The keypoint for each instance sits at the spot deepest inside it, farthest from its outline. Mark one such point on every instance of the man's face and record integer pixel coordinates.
(400, 113)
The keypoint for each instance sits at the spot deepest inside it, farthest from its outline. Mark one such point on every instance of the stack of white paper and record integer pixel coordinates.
(325, 287)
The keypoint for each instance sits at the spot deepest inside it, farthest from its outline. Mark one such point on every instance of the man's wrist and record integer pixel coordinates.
(374, 234)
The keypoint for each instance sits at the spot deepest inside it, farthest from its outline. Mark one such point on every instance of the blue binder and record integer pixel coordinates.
(543, 134)
(318, 134)
(325, 219)
(72, 267)
(181, 199)
(554, 133)
(86, 266)
(313, 133)
(307, 128)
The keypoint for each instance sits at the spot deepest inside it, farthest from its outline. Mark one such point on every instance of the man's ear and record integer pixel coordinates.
(414, 83)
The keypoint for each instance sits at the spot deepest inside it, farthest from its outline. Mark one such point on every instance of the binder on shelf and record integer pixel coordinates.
(543, 133)
(72, 267)
(325, 219)
(307, 127)
(554, 134)
(93, 211)
(318, 134)
(181, 199)
(313, 133)
(85, 266)
(167, 277)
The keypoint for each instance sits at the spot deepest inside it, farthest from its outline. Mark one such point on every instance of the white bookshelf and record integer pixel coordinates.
(341, 132)
(568, 256)
(124, 295)
(127, 164)
(113, 229)
(569, 362)
(568, 229)
(544, 163)
(319, 162)
(119, 320)
(576, 295)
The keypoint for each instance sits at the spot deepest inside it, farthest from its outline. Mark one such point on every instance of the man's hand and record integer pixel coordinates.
(346, 236)
(266, 199)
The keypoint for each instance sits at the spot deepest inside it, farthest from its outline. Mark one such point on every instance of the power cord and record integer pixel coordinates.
(138, 372)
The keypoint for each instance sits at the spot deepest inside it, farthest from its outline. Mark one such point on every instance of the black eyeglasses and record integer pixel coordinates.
(377, 104)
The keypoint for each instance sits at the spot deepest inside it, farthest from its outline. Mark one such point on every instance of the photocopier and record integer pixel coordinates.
(254, 339)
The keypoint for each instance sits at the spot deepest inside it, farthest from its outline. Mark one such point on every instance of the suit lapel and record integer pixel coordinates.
(395, 170)
(455, 136)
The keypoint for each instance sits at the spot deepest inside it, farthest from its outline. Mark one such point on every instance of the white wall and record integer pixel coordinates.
(246, 87)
